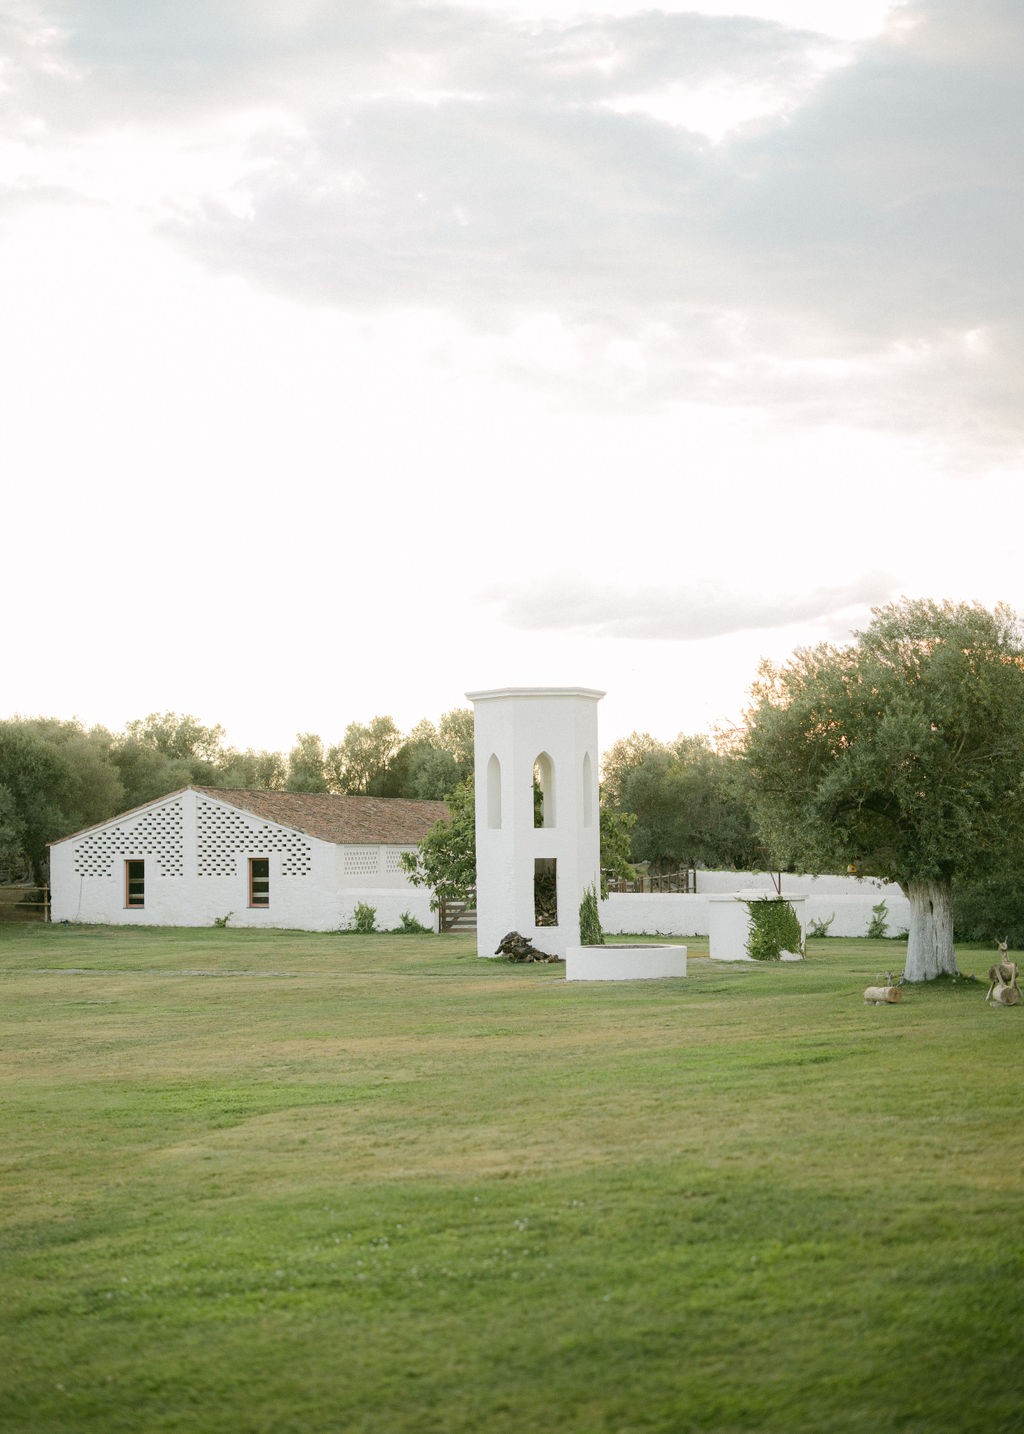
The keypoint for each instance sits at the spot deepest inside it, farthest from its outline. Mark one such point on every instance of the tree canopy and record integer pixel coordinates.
(445, 860)
(57, 777)
(901, 754)
(688, 800)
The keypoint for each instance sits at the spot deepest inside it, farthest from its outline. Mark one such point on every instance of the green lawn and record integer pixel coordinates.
(290, 1182)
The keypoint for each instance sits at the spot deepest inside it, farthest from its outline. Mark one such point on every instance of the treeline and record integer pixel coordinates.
(670, 804)
(57, 776)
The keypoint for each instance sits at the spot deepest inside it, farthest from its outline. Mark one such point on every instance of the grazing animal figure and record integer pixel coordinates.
(882, 995)
(1002, 988)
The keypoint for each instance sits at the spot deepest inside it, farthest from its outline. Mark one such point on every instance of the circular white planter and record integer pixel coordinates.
(624, 963)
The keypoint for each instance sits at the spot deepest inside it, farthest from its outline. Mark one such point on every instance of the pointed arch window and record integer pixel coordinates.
(544, 791)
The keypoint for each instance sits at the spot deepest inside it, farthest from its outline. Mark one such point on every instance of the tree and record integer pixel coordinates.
(252, 770)
(455, 735)
(34, 779)
(689, 800)
(360, 762)
(990, 906)
(147, 773)
(432, 761)
(164, 751)
(622, 758)
(445, 859)
(306, 765)
(423, 770)
(902, 754)
(94, 789)
(13, 860)
(616, 846)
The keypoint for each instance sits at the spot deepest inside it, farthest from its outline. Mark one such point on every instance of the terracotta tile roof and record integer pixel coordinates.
(364, 821)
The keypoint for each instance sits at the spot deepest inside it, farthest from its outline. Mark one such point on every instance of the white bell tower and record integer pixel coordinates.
(538, 827)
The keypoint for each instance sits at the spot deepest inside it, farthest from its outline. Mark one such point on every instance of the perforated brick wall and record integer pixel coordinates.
(222, 834)
(361, 861)
(157, 833)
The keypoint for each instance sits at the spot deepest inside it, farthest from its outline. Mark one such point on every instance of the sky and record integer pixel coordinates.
(354, 357)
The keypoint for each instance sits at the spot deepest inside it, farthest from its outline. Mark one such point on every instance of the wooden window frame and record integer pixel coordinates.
(259, 898)
(134, 884)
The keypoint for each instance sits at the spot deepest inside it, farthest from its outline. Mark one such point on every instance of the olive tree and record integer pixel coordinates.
(901, 754)
(34, 780)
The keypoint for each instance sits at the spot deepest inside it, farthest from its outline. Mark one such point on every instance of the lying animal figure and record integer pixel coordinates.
(516, 948)
(882, 995)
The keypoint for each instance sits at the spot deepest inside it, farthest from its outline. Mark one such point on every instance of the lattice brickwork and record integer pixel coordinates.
(393, 861)
(222, 834)
(157, 833)
(361, 861)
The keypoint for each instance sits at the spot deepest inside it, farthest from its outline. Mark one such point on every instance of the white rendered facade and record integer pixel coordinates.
(523, 733)
(191, 858)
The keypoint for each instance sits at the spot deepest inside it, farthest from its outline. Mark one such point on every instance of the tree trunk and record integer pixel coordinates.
(930, 950)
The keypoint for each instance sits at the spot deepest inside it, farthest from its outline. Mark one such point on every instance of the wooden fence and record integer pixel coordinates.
(683, 880)
(24, 903)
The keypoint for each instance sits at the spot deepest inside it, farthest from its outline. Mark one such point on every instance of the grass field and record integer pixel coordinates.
(289, 1182)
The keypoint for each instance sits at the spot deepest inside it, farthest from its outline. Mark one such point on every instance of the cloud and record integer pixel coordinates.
(570, 604)
(853, 256)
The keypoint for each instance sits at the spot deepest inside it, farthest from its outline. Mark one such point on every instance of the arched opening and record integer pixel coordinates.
(494, 792)
(544, 791)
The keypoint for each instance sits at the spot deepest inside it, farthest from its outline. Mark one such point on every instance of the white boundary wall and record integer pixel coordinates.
(848, 898)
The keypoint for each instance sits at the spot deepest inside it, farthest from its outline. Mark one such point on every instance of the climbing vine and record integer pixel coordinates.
(774, 928)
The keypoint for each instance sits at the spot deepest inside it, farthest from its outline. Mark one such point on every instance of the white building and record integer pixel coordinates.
(297, 860)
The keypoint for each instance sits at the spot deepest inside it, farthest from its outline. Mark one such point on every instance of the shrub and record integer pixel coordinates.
(877, 926)
(820, 928)
(365, 917)
(590, 919)
(774, 928)
(990, 908)
(223, 920)
(410, 924)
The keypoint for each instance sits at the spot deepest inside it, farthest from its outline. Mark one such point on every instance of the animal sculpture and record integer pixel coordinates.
(1002, 980)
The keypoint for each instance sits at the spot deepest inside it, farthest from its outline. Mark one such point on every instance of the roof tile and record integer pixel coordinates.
(345, 820)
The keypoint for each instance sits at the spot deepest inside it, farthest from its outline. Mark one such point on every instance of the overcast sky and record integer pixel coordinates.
(355, 356)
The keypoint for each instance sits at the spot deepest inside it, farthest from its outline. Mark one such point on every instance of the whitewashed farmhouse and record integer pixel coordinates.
(287, 859)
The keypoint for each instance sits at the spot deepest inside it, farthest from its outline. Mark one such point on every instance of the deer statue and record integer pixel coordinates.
(1003, 989)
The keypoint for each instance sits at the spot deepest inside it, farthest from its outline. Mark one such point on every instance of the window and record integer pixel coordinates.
(259, 881)
(545, 891)
(135, 883)
(544, 791)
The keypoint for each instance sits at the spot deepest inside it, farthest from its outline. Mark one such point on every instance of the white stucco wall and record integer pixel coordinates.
(848, 899)
(196, 851)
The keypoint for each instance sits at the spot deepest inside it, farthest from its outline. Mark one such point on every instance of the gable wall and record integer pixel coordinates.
(196, 852)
